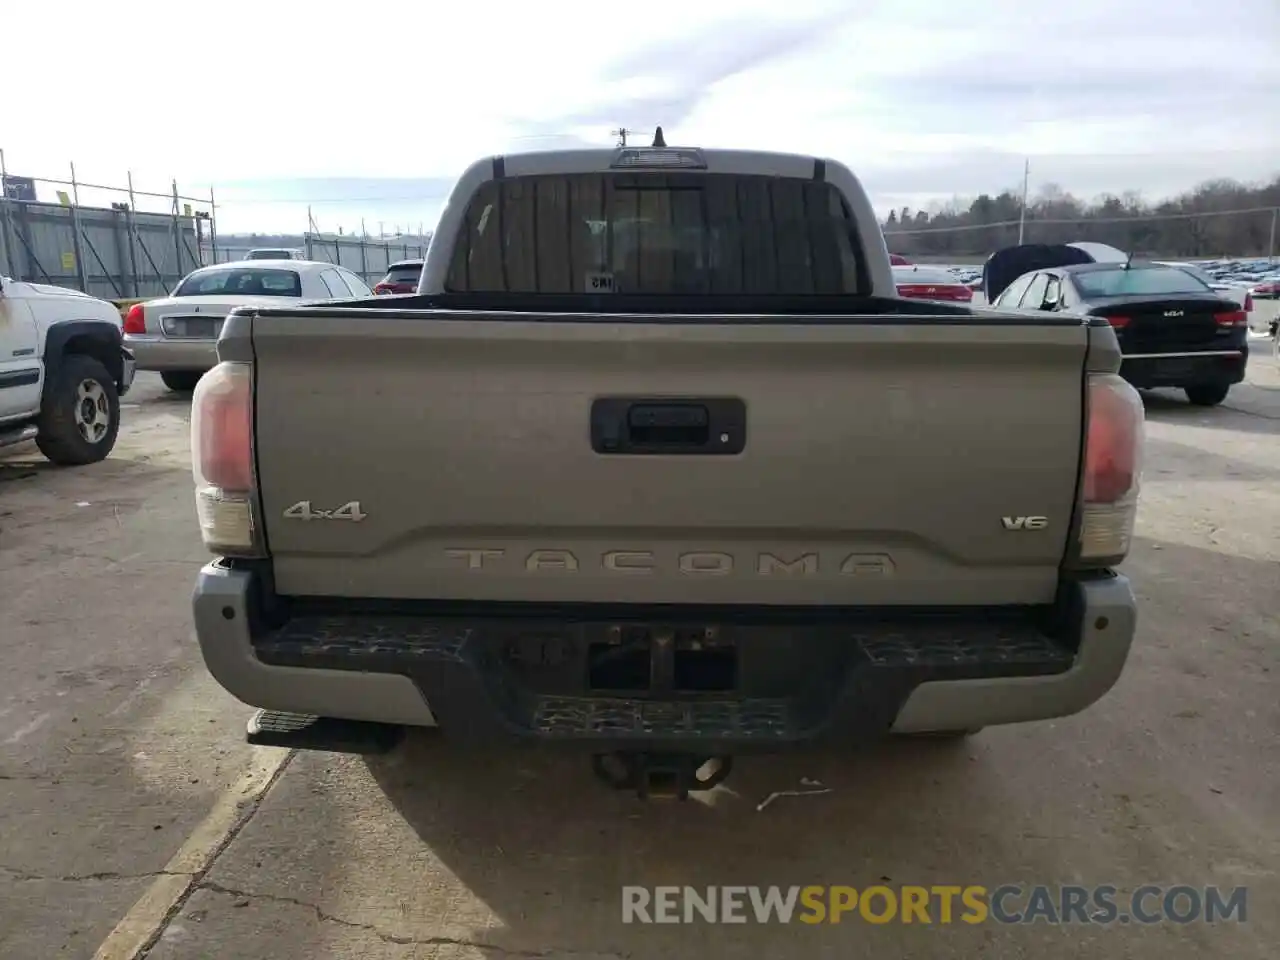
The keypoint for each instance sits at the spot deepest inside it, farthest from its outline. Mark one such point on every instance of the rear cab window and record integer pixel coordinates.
(245, 281)
(690, 234)
(1137, 281)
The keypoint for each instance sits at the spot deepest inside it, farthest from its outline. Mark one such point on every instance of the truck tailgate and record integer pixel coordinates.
(885, 461)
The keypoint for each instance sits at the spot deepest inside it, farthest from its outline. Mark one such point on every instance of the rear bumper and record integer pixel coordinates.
(1185, 369)
(161, 353)
(815, 687)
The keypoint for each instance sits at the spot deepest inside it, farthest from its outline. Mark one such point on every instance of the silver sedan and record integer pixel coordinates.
(177, 335)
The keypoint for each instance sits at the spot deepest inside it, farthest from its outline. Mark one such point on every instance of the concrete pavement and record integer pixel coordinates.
(124, 783)
(112, 745)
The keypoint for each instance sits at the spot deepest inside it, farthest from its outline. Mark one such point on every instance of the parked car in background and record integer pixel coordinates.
(273, 253)
(401, 277)
(63, 370)
(1173, 330)
(931, 283)
(898, 260)
(1268, 288)
(177, 335)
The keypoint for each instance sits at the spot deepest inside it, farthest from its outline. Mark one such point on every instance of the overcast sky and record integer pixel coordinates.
(370, 111)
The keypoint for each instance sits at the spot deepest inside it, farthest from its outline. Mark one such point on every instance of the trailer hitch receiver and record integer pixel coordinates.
(660, 775)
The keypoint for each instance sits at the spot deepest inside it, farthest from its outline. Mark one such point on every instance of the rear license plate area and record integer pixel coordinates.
(195, 328)
(1175, 368)
(630, 658)
(665, 660)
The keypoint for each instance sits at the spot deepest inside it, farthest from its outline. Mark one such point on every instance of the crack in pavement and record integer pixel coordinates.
(145, 923)
(247, 812)
(1250, 413)
(26, 876)
(323, 915)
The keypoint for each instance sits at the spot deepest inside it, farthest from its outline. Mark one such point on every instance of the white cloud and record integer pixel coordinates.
(923, 99)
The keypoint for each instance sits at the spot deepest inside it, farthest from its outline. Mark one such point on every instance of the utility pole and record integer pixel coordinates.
(1022, 214)
(1271, 244)
(6, 234)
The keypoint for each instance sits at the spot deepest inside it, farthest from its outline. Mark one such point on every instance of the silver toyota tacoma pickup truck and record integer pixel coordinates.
(656, 466)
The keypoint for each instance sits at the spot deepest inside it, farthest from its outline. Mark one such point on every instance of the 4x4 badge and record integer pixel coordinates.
(302, 510)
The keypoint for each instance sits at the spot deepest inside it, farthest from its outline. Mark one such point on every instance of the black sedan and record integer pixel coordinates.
(1174, 330)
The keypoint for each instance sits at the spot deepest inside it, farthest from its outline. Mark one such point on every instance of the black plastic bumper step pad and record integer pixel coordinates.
(299, 731)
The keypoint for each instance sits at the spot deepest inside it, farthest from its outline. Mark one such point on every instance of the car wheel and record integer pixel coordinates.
(1209, 395)
(181, 381)
(81, 414)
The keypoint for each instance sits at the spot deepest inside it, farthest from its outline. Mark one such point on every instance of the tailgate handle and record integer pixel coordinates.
(679, 425)
(632, 425)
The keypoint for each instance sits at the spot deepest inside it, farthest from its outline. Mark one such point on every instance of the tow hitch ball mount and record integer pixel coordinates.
(660, 775)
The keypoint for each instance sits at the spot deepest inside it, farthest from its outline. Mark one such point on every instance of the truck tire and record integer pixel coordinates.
(80, 416)
(1207, 395)
(181, 381)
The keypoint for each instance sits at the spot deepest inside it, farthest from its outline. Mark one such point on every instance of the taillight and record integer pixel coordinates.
(135, 320)
(1112, 470)
(1118, 322)
(222, 459)
(1233, 318)
(1248, 302)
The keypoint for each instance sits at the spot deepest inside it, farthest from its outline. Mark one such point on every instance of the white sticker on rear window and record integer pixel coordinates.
(599, 283)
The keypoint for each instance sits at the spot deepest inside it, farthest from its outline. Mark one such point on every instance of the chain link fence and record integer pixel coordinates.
(110, 248)
(115, 251)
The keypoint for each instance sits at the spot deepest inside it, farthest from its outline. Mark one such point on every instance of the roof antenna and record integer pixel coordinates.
(658, 140)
